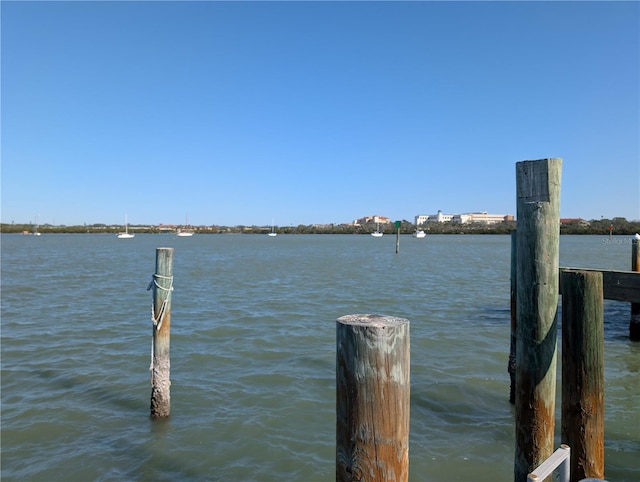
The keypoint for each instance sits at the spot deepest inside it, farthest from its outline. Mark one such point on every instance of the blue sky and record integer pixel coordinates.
(313, 112)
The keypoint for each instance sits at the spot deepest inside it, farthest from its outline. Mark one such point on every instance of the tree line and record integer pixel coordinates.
(615, 226)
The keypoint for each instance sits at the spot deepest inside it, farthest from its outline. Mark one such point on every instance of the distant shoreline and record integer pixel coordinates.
(617, 226)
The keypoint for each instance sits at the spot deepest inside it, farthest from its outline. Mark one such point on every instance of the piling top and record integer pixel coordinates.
(537, 181)
(377, 321)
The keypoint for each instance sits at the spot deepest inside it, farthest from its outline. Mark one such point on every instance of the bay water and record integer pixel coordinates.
(253, 355)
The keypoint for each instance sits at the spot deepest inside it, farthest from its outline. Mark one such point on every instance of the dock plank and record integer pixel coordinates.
(616, 285)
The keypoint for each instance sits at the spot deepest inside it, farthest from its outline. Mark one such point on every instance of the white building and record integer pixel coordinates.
(480, 217)
(485, 218)
(434, 218)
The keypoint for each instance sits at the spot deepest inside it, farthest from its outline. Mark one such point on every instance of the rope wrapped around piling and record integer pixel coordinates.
(157, 322)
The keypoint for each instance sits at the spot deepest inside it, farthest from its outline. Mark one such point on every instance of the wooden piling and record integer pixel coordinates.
(583, 372)
(634, 324)
(511, 367)
(538, 236)
(160, 366)
(372, 399)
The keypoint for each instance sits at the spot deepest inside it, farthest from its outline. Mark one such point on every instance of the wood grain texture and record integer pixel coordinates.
(616, 285)
(161, 365)
(372, 398)
(583, 372)
(634, 323)
(538, 236)
(511, 367)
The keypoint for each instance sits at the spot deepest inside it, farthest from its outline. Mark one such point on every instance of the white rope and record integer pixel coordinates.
(157, 322)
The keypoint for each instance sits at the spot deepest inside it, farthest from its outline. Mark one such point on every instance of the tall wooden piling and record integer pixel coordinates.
(634, 324)
(372, 399)
(538, 236)
(160, 367)
(583, 372)
(511, 367)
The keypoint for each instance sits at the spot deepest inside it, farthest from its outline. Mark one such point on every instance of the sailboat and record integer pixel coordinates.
(377, 233)
(126, 234)
(35, 229)
(186, 231)
(273, 230)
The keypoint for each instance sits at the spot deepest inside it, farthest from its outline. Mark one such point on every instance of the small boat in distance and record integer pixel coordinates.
(186, 231)
(273, 230)
(419, 234)
(35, 229)
(126, 234)
(377, 233)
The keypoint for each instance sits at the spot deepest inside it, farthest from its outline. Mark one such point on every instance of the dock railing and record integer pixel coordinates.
(560, 459)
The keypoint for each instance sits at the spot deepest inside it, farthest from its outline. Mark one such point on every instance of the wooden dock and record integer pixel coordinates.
(616, 285)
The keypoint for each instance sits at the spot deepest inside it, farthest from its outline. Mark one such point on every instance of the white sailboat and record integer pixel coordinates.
(186, 231)
(273, 230)
(35, 229)
(126, 234)
(377, 233)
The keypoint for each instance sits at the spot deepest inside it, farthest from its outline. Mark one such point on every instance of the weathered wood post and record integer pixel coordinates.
(538, 236)
(634, 324)
(583, 372)
(398, 224)
(511, 367)
(161, 311)
(372, 398)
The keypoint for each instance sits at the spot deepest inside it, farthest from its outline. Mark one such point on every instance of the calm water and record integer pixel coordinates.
(253, 355)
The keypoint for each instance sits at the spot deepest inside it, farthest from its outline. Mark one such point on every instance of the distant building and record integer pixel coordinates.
(434, 218)
(480, 217)
(372, 219)
(486, 218)
(578, 221)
